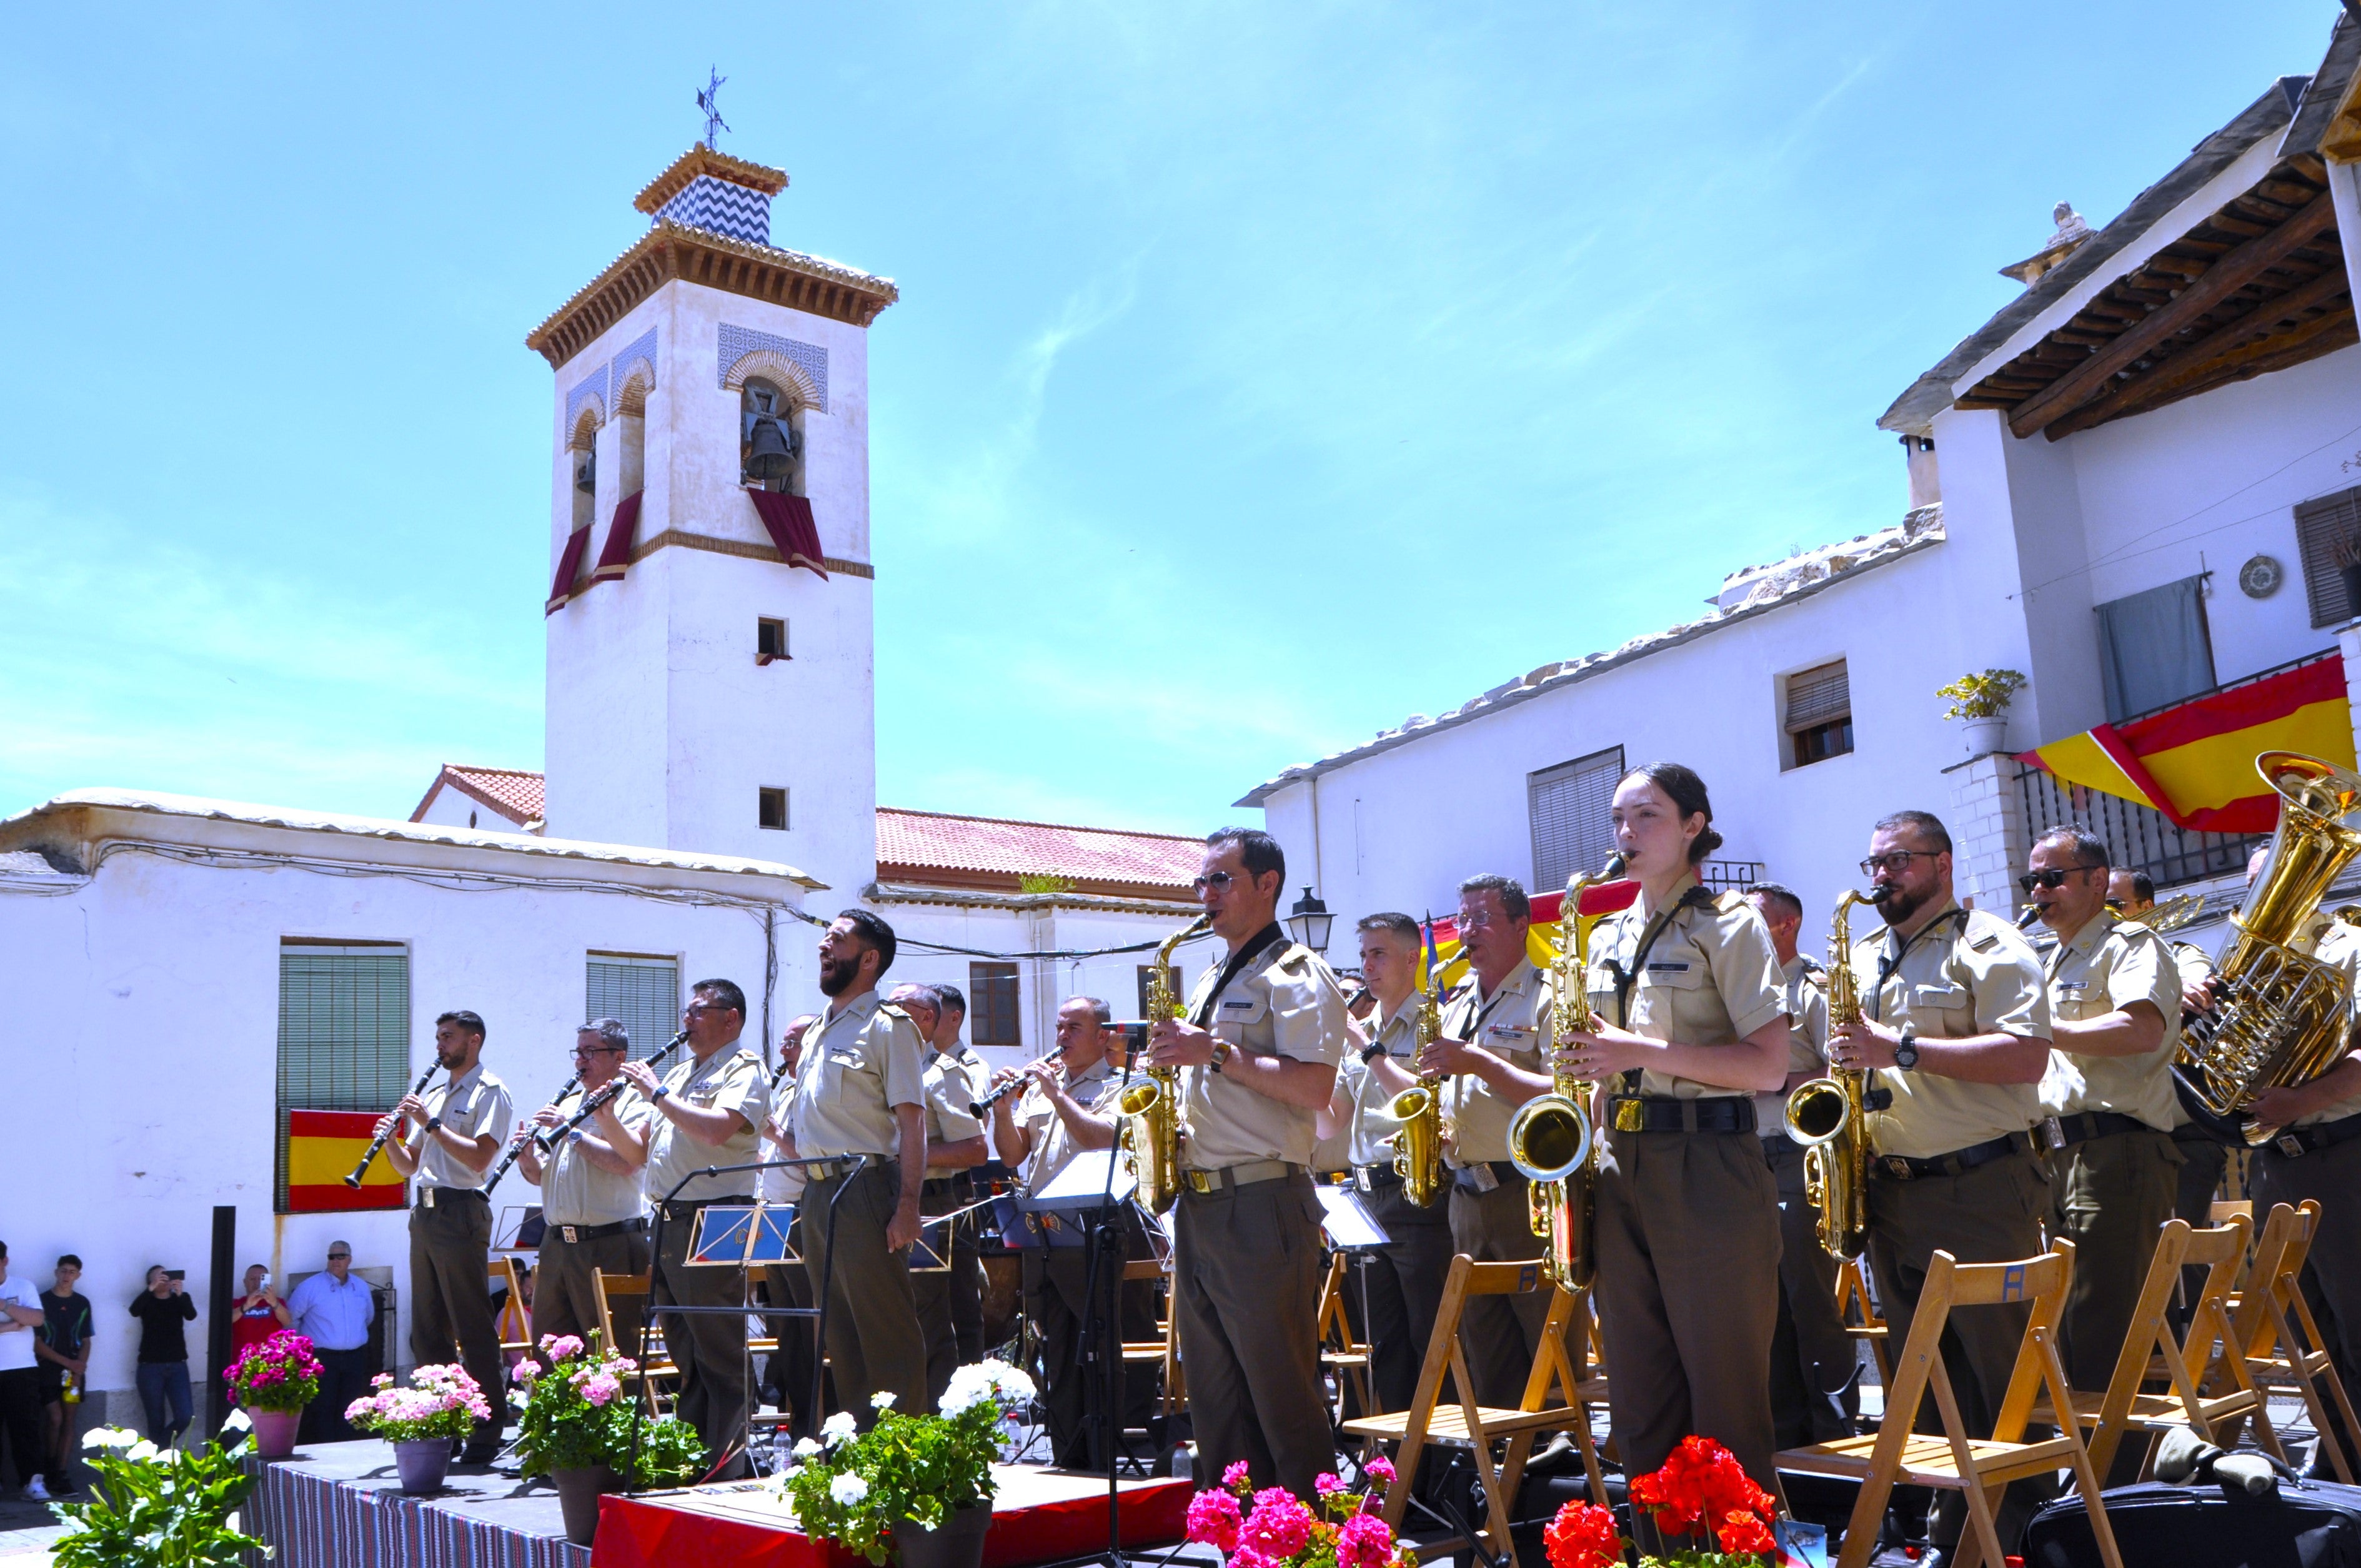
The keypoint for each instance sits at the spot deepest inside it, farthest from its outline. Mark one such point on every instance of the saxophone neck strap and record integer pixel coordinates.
(1266, 937)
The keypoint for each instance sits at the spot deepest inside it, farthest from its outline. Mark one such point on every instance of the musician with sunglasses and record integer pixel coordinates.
(1954, 1035)
(2115, 1007)
(591, 1199)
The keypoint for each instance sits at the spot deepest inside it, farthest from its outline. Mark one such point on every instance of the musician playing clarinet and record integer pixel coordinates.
(595, 1213)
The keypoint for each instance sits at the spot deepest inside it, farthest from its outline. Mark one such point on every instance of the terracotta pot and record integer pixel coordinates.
(274, 1431)
(422, 1462)
(578, 1491)
(957, 1543)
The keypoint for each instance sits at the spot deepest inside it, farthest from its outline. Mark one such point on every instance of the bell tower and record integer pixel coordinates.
(709, 616)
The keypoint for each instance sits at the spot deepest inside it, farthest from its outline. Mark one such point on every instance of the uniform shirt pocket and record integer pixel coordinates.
(1234, 1016)
(2075, 1000)
(1951, 1005)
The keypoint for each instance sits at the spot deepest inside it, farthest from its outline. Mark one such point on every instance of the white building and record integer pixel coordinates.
(2174, 400)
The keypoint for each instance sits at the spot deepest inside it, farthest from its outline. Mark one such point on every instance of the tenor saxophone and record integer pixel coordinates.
(1418, 1148)
(1829, 1114)
(1551, 1141)
(1151, 1130)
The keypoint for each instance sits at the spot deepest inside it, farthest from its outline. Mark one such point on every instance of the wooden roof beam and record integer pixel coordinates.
(2213, 286)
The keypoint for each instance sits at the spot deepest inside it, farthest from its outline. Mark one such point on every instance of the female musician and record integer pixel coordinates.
(1692, 1023)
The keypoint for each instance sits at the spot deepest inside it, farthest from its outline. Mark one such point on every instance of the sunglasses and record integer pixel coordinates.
(2052, 878)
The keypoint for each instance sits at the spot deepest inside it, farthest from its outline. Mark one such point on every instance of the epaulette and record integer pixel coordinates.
(1986, 943)
(894, 1010)
(1729, 901)
(1812, 965)
(1295, 963)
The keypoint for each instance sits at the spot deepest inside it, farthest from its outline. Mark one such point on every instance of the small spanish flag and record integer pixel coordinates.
(2195, 762)
(323, 1146)
(1448, 955)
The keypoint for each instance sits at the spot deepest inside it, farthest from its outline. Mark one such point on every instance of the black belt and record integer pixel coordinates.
(830, 1170)
(2294, 1143)
(2084, 1125)
(1958, 1162)
(572, 1233)
(1505, 1170)
(1661, 1113)
(431, 1198)
(681, 1206)
(1374, 1177)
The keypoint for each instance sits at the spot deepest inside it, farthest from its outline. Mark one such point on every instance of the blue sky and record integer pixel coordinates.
(1262, 373)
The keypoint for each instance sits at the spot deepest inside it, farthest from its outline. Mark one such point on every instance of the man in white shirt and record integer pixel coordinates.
(20, 1399)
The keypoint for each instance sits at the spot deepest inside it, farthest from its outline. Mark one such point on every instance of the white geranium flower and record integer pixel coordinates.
(881, 1401)
(237, 1421)
(142, 1452)
(848, 1490)
(805, 1448)
(839, 1427)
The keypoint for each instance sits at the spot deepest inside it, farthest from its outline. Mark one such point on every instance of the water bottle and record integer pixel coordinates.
(72, 1394)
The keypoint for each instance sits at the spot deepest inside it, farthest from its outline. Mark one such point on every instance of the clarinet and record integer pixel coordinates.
(545, 1140)
(378, 1141)
(978, 1107)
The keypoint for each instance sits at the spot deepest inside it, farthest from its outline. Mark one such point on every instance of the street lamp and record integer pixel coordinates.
(1310, 921)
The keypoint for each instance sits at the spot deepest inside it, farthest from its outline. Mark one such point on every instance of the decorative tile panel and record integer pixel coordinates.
(594, 385)
(643, 347)
(737, 342)
(719, 207)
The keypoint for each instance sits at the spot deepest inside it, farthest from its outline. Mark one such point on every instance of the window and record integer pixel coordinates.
(2153, 649)
(2328, 539)
(770, 640)
(992, 991)
(343, 1032)
(771, 811)
(770, 439)
(645, 992)
(1819, 715)
(1171, 978)
(1569, 804)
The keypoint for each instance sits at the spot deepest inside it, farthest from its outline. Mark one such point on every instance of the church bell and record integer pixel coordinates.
(770, 450)
(586, 476)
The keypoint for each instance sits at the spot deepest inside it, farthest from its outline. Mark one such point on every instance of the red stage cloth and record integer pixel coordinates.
(562, 587)
(789, 520)
(635, 1534)
(614, 559)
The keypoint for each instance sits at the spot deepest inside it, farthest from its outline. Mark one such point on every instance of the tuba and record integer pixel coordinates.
(1151, 1130)
(1550, 1139)
(2281, 1018)
(1418, 1148)
(1829, 1114)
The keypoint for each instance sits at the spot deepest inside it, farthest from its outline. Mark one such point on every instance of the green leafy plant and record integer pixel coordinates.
(1044, 881)
(855, 1487)
(577, 1416)
(279, 1374)
(159, 1508)
(1986, 695)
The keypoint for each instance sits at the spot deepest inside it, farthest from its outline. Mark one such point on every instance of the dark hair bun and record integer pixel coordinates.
(1705, 844)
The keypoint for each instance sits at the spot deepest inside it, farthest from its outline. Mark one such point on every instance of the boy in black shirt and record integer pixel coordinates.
(64, 1350)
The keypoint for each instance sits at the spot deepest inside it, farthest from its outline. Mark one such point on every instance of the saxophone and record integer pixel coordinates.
(1828, 1115)
(1150, 1112)
(1550, 1139)
(1418, 1148)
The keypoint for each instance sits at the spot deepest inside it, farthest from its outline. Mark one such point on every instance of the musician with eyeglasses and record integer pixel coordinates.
(2115, 1009)
(594, 1211)
(1954, 1036)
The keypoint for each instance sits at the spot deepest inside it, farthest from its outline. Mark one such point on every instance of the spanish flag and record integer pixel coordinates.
(2195, 762)
(323, 1146)
(1450, 954)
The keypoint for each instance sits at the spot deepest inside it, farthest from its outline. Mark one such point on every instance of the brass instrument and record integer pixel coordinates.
(1418, 1148)
(379, 1141)
(1829, 1114)
(2174, 912)
(2282, 1015)
(1152, 1129)
(1551, 1140)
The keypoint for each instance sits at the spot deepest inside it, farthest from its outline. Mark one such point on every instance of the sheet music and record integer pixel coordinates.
(1083, 1182)
(1346, 1222)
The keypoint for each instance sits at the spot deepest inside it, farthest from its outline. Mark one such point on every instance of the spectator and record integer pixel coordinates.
(64, 1349)
(334, 1310)
(20, 1399)
(163, 1308)
(256, 1315)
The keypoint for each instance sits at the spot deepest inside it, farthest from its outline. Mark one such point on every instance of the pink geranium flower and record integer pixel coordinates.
(1280, 1525)
(1214, 1521)
(1364, 1541)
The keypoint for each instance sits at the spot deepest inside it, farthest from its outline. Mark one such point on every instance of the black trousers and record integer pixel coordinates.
(344, 1378)
(20, 1418)
(1815, 1372)
(451, 1299)
(2204, 1159)
(1073, 1385)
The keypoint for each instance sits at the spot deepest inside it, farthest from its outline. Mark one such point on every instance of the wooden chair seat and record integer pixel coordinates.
(1449, 1424)
(1927, 1459)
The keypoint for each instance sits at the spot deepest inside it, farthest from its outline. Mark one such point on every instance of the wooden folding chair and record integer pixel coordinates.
(1955, 1459)
(625, 1297)
(1340, 1353)
(516, 1317)
(1852, 1296)
(1468, 1425)
(2273, 1331)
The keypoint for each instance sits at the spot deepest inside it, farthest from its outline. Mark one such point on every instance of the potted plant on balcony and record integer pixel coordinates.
(272, 1381)
(576, 1430)
(422, 1422)
(1981, 702)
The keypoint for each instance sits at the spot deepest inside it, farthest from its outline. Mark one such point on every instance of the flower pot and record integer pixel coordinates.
(274, 1431)
(2352, 579)
(957, 1543)
(578, 1494)
(1986, 735)
(422, 1462)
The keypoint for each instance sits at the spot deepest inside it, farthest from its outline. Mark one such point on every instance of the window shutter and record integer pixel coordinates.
(1569, 805)
(2320, 525)
(645, 992)
(1817, 696)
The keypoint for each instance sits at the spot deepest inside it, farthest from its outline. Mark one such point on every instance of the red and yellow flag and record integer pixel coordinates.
(2195, 762)
(323, 1146)
(1540, 938)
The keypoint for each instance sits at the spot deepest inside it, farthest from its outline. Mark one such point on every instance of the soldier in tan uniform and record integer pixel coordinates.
(451, 1135)
(955, 1144)
(2203, 1155)
(1258, 1057)
(1815, 1392)
(709, 1111)
(861, 1090)
(596, 1214)
(1692, 1025)
(1404, 1278)
(1955, 1036)
(1492, 1054)
(1068, 1106)
(2115, 1013)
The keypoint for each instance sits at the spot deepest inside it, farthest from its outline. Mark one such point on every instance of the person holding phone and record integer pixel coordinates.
(163, 1310)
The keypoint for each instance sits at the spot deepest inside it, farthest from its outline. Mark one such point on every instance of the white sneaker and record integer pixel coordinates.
(37, 1490)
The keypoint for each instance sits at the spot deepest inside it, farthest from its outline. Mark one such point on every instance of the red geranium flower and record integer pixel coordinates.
(1741, 1531)
(1582, 1536)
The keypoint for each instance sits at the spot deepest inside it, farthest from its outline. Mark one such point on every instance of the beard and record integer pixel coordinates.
(1898, 906)
(836, 977)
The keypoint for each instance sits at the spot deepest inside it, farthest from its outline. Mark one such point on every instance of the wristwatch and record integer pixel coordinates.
(1221, 1055)
(434, 1123)
(662, 1090)
(1371, 1052)
(1906, 1049)
(575, 1135)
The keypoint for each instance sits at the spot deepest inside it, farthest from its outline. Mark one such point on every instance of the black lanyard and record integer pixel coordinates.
(1886, 966)
(1238, 960)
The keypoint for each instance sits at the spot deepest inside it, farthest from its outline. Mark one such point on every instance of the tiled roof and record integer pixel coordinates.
(514, 794)
(987, 851)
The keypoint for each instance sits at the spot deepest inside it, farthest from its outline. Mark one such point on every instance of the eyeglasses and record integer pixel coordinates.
(1897, 860)
(2052, 878)
(1218, 879)
(340, 1257)
(596, 1050)
(695, 1008)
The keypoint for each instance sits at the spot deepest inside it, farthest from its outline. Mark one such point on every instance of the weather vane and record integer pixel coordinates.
(707, 97)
